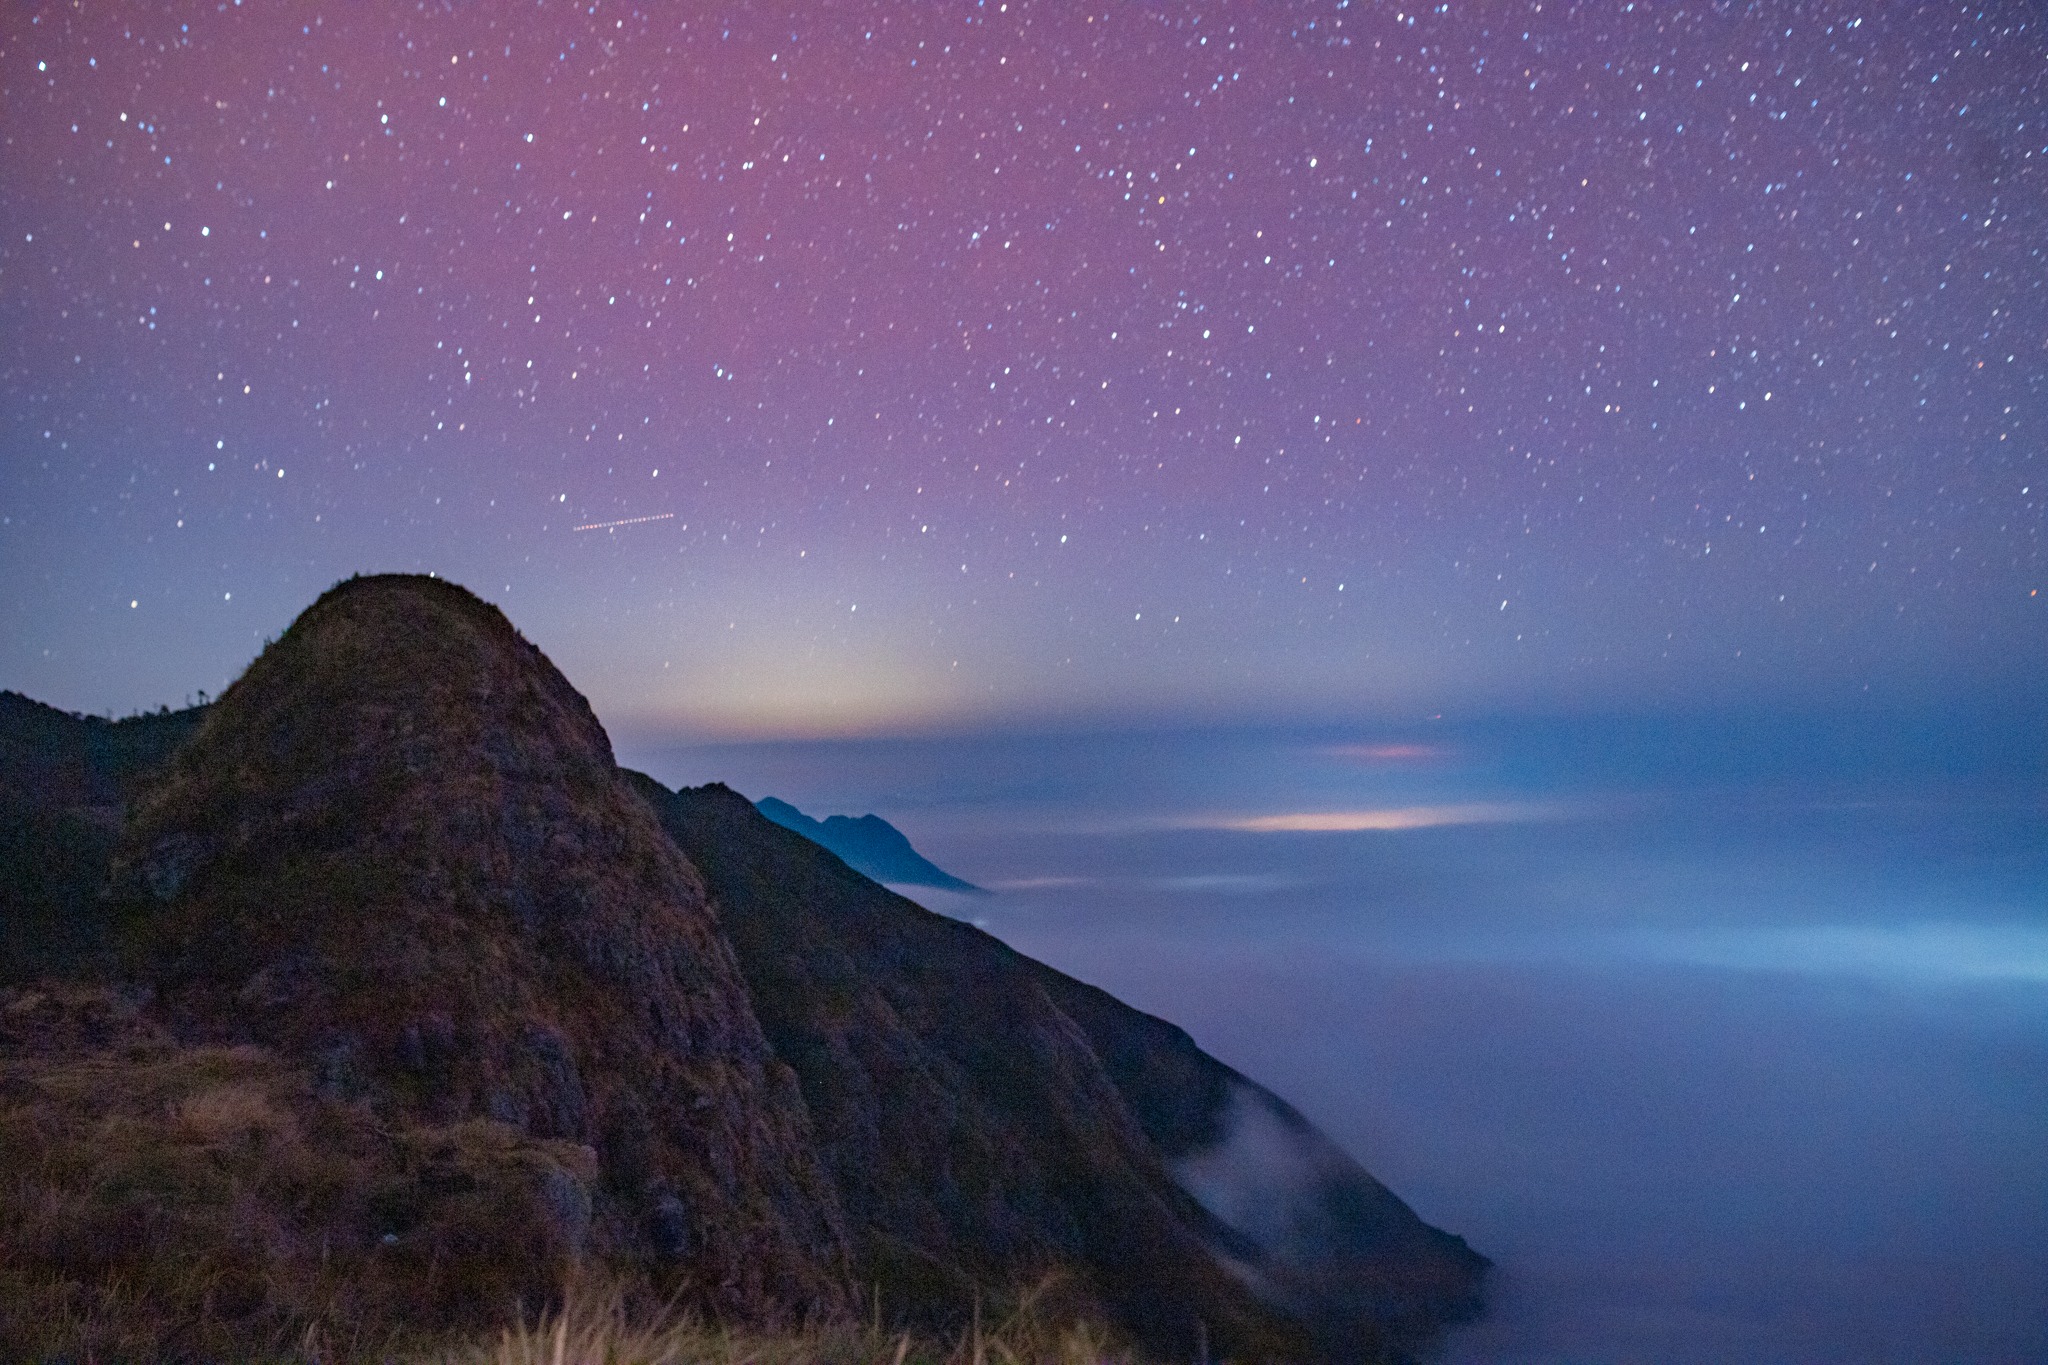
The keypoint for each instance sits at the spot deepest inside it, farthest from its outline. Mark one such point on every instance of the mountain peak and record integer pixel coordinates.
(398, 849)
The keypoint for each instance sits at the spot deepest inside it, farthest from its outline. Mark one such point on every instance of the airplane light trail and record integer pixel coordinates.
(624, 521)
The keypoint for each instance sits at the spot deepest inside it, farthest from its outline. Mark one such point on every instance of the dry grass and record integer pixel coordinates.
(595, 1327)
(169, 1203)
(189, 1204)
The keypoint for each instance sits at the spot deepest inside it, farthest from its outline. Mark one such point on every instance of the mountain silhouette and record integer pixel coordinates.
(868, 844)
(375, 995)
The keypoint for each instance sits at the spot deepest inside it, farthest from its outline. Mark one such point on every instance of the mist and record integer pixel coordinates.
(1725, 1037)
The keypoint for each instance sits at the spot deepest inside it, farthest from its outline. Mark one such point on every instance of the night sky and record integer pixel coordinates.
(838, 367)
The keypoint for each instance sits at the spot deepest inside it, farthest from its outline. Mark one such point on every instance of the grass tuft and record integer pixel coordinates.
(595, 1326)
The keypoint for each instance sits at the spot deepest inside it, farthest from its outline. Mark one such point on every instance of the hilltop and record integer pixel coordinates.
(375, 998)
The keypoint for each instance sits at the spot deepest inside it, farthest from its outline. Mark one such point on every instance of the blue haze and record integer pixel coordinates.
(1726, 1036)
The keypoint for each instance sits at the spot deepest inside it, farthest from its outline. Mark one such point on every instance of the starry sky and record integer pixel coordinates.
(852, 367)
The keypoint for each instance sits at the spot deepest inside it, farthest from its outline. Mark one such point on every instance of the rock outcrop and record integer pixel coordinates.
(398, 852)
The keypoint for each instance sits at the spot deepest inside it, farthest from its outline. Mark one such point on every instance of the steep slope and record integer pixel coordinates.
(1334, 1246)
(398, 853)
(987, 1115)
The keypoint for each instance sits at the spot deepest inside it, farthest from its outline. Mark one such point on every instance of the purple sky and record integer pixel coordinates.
(974, 361)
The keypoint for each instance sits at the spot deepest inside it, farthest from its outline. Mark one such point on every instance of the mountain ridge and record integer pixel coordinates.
(1346, 1262)
(387, 918)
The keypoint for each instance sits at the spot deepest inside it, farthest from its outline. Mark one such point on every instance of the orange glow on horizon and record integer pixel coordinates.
(1389, 753)
(1389, 818)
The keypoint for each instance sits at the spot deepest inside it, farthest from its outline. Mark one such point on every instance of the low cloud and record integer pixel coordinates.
(1388, 753)
(1386, 818)
(1924, 951)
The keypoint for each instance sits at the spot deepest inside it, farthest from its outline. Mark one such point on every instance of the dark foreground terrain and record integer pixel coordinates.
(374, 1000)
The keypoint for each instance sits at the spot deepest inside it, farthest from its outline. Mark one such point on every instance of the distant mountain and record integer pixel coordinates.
(375, 998)
(869, 845)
